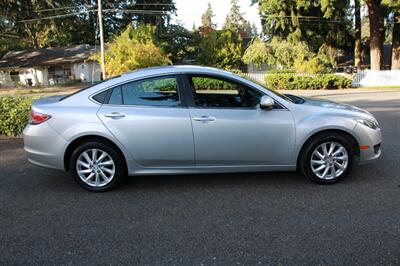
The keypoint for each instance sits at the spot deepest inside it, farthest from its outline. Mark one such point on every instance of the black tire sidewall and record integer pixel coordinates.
(315, 142)
(120, 171)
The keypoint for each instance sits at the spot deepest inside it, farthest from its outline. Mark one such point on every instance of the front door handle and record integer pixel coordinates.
(204, 118)
(114, 115)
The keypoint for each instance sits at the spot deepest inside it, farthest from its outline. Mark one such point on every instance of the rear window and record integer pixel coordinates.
(158, 91)
(85, 88)
(101, 97)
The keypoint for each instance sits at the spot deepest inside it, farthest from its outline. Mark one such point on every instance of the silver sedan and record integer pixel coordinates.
(191, 119)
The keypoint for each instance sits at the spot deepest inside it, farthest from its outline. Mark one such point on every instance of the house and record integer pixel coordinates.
(49, 66)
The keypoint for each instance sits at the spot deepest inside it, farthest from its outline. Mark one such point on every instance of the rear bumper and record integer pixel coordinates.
(44, 146)
(371, 138)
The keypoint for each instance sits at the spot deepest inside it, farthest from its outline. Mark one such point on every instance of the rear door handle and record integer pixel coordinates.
(114, 115)
(204, 118)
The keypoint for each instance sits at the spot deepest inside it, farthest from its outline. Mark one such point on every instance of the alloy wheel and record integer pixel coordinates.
(329, 160)
(95, 167)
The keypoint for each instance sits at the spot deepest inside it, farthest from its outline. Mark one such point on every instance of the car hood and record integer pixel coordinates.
(334, 105)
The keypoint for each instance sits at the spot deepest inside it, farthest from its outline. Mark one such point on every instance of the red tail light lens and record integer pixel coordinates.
(37, 118)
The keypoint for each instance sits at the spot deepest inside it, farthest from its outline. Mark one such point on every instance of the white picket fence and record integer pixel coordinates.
(365, 78)
(258, 76)
(376, 78)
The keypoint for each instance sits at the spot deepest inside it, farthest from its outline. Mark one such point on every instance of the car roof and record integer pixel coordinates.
(162, 70)
(148, 72)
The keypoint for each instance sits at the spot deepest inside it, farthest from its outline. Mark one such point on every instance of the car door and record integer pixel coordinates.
(230, 128)
(151, 119)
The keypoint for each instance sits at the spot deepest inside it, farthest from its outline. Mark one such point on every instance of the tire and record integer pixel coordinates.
(107, 171)
(311, 164)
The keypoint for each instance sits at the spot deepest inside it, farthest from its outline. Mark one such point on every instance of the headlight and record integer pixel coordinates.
(368, 122)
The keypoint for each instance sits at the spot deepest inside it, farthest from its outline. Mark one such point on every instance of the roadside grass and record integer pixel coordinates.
(42, 91)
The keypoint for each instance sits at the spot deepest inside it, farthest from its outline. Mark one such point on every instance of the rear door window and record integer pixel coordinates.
(116, 96)
(158, 91)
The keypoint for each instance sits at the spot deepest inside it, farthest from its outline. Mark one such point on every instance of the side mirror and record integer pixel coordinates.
(266, 102)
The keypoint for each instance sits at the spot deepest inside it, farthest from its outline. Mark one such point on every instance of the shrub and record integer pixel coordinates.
(14, 114)
(211, 84)
(291, 81)
(281, 71)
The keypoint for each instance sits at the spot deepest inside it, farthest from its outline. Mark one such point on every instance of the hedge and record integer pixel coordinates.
(290, 81)
(14, 112)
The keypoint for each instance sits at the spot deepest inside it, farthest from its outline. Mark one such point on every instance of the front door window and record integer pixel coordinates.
(213, 92)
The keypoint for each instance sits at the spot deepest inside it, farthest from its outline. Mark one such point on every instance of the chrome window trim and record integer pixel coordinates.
(133, 80)
(283, 107)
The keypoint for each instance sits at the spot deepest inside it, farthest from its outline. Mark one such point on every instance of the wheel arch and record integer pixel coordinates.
(82, 139)
(351, 137)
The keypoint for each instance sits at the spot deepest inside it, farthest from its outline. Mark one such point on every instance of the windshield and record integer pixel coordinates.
(283, 96)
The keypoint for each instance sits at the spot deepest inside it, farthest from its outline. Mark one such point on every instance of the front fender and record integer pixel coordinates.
(312, 125)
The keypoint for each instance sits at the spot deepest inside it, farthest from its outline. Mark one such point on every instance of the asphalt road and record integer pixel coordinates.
(233, 219)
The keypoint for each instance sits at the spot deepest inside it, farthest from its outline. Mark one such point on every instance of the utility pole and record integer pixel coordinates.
(100, 14)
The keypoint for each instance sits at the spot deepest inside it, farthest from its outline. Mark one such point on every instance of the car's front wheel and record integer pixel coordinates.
(327, 158)
(97, 166)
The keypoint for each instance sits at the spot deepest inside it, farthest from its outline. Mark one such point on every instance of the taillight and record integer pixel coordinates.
(37, 118)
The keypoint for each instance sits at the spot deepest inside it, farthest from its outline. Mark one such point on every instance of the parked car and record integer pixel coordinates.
(192, 119)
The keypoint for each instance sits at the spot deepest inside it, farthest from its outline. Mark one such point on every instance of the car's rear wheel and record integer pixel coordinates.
(97, 166)
(327, 158)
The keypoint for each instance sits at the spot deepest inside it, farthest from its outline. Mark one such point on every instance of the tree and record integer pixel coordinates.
(357, 34)
(394, 9)
(314, 22)
(396, 42)
(377, 32)
(156, 13)
(236, 22)
(134, 48)
(221, 49)
(254, 31)
(283, 54)
(44, 23)
(258, 52)
(22, 19)
(207, 24)
(179, 42)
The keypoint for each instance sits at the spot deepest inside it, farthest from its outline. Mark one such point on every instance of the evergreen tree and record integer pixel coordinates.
(394, 8)
(236, 22)
(315, 22)
(357, 34)
(254, 31)
(377, 32)
(222, 48)
(207, 17)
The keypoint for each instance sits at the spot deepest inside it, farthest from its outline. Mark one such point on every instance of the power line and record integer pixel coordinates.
(303, 18)
(62, 8)
(145, 4)
(133, 11)
(55, 16)
(88, 7)
(143, 11)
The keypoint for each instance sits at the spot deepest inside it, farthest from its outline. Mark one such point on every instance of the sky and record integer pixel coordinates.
(190, 11)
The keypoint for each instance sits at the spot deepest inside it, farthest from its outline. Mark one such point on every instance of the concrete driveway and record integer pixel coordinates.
(231, 219)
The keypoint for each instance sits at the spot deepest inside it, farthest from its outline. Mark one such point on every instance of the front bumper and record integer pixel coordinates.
(44, 146)
(371, 138)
